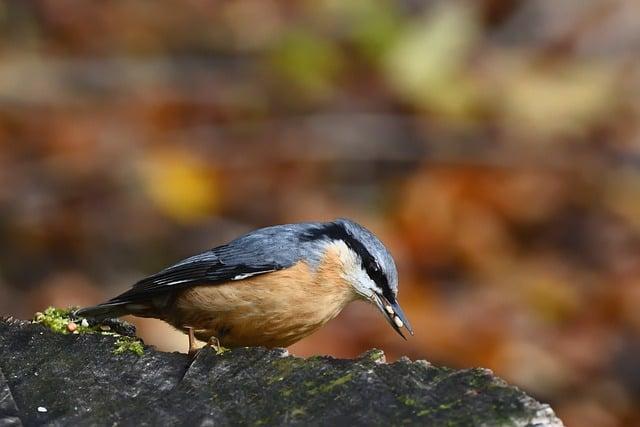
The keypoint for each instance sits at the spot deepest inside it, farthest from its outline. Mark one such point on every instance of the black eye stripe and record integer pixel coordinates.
(338, 232)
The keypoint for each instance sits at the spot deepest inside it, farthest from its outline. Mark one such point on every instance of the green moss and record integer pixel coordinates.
(424, 412)
(55, 319)
(331, 385)
(124, 344)
(297, 412)
(284, 366)
(220, 350)
(480, 379)
(339, 381)
(408, 401)
(60, 321)
(286, 392)
(376, 355)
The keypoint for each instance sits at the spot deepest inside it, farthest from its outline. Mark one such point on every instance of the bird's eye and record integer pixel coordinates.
(374, 267)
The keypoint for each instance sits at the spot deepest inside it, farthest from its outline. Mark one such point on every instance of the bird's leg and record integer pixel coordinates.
(192, 341)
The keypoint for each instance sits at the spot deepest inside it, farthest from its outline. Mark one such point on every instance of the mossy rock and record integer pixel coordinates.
(64, 321)
(76, 379)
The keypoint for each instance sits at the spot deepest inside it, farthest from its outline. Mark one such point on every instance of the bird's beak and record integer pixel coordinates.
(393, 313)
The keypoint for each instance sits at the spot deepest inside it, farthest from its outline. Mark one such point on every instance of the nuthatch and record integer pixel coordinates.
(270, 287)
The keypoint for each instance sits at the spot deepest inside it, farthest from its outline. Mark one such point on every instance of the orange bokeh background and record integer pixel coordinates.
(492, 145)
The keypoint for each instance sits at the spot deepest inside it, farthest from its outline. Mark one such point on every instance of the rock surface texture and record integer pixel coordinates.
(55, 379)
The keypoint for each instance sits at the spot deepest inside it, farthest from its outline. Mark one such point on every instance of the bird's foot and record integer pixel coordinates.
(214, 343)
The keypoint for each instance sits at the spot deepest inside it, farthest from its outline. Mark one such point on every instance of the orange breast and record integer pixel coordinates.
(273, 309)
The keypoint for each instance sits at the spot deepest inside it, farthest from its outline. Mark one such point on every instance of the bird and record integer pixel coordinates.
(270, 287)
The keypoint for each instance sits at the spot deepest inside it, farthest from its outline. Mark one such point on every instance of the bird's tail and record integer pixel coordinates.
(111, 309)
(137, 305)
(105, 311)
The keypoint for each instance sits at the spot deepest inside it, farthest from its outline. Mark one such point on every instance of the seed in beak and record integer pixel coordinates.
(398, 322)
(389, 309)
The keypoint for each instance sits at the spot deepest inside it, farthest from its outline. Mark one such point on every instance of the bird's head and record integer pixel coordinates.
(369, 268)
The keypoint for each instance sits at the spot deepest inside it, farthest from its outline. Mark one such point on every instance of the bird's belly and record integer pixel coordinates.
(252, 328)
(272, 310)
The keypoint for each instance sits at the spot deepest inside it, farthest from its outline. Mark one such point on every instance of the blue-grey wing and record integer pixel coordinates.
(261, 251)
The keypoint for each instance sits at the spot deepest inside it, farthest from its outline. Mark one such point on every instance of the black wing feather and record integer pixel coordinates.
(189, 273)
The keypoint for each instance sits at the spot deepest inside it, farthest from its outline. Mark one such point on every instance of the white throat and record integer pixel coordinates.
(352, 270)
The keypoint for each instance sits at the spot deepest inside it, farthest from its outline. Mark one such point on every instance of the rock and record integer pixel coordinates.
(80, 381)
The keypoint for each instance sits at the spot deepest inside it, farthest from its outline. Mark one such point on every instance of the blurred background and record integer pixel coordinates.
(493, 145)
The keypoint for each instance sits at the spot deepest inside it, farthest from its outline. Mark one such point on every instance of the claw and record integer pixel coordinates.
(214, 343)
